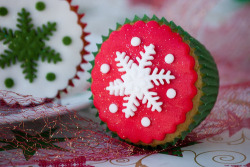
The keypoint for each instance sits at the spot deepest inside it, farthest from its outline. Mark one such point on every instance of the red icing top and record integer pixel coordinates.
(182, 68)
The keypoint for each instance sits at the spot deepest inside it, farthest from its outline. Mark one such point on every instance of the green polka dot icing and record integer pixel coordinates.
(27, 44)
(40, 6)
(70, 55)
(3, 11)
(67, 40)
(9, 83)
(51, 76)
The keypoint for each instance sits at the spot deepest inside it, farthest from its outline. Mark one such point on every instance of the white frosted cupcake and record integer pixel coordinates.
(41, 46)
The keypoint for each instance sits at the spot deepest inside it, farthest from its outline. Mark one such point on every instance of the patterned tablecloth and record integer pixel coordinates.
(218, 151)
(229, 149)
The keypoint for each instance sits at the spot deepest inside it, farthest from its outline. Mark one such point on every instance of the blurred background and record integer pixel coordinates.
(221, 25)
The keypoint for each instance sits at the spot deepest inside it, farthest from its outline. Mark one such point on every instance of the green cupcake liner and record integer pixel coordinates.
(208, 70)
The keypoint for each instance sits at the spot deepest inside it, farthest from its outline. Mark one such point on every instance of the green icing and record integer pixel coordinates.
(9, 83)
(208, 70)
(26, 45)
(67, 40)
(51, 76)
(40, 6)
(3, 11)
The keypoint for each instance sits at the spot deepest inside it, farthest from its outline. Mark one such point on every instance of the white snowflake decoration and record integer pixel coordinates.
(136, 82)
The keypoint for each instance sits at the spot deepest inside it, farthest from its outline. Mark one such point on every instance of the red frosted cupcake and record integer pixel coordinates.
(152, 82)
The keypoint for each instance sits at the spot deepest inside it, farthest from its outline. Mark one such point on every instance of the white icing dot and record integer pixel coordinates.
(169, 58)
(113, 108)
(135, 41)
(145, 121)
(105, 68)
(171, 93)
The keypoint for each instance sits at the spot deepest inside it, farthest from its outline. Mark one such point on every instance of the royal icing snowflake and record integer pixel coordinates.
(136, 82)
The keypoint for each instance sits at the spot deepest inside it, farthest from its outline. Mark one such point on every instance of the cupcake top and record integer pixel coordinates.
(143, 81)
(40, 46)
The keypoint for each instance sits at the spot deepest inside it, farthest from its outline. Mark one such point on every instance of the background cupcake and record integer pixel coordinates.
(41, 46)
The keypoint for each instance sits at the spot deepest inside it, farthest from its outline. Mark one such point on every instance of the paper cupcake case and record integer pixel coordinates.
(63, 37)
(209, 81)
(83, 52)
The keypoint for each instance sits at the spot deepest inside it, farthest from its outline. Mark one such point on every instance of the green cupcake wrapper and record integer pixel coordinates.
(208, 70)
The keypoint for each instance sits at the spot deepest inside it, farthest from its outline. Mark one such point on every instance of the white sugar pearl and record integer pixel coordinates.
(169, 58)
(113, 108)
(145, 121)
(171, 93)
(105, 68)
(135, 41)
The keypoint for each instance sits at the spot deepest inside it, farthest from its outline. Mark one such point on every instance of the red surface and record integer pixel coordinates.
(173, 110)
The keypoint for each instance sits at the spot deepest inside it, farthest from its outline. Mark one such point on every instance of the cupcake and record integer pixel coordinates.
(41, 46)
(152, 83)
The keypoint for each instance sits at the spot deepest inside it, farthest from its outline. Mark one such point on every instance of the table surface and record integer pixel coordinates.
(219, 151)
